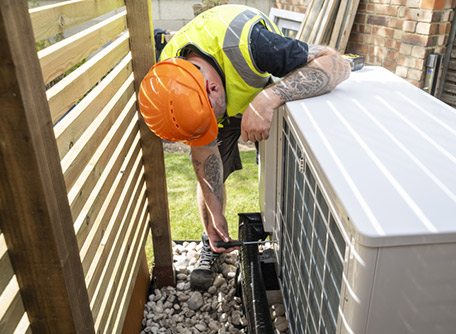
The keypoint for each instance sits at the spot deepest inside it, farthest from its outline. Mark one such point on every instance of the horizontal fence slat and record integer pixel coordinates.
(119, 306)
(11, 307)
(96, 238)
(72, 126)
(85, 193)
(63, 55)
(449, 99)
(56, 18)
(86, 220)
(117, 255)
(450, 88)
(112, 234)
(13, 318)
(75, 162)
(121, 163)
(72, 88)
(6, 269)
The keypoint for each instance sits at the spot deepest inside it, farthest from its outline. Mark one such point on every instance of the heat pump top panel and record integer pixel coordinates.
(388, 153)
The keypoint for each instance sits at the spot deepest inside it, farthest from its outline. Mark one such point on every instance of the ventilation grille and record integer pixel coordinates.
(311, 246)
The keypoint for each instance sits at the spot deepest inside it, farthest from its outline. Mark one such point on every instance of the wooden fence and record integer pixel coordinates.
(81, 177)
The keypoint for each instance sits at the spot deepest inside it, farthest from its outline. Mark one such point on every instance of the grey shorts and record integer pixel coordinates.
(227, 138)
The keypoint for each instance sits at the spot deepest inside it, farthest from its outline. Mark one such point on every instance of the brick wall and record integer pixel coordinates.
(397, 34)
(400, 34)
(293, 5)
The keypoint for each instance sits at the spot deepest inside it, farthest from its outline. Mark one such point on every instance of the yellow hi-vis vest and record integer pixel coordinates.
(223, 34)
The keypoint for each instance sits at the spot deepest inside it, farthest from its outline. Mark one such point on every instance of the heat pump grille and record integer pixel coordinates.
(312, 248)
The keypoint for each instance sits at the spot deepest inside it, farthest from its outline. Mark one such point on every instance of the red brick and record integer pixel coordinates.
(432, 4)
(365, 29)
(415, 83)
(383, 32)
(419, 52)
(399, 2)
(377, 20)
(413, 3)
(395, 22)
(390, 65)
(393, 44)
(392, 55)
(355, 37)
(383, 10)
(423, 28)
(415, 39)
(409, 26)
(360, 18)
(419, 63)
(375, 40)
(418, 15)
(416, 75)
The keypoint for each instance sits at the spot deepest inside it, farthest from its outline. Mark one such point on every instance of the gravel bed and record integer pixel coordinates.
(181, 310)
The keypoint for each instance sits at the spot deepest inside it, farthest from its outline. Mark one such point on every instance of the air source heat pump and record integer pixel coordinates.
(359, 189)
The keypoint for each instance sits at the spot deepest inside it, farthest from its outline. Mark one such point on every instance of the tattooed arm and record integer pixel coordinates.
(324, 70)
(209, 171)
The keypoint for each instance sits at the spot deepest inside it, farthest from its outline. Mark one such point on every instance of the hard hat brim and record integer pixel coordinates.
(208, 137)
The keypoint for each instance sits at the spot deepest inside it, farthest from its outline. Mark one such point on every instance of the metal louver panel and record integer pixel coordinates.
(312, 247)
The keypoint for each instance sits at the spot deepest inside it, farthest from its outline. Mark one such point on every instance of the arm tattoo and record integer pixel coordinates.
(302, 83)
(212, 175)
(196, 165)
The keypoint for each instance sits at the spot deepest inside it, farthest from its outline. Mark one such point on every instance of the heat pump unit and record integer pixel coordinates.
(358, 187)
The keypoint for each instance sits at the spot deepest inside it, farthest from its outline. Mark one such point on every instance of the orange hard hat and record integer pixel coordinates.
(174, 103)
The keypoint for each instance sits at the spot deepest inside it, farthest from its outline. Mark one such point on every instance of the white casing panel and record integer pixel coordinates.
(383, 153)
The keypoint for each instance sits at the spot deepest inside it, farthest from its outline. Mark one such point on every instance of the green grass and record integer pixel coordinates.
(241, 191)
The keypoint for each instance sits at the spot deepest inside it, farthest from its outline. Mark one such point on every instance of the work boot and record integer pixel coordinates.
(206, 268)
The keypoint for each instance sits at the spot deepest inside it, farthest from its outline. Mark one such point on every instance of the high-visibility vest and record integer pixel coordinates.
(223, 34)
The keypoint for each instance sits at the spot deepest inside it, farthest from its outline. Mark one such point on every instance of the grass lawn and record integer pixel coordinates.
(241, 190)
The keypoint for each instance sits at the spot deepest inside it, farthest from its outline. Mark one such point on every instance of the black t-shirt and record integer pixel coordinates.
(276, 54)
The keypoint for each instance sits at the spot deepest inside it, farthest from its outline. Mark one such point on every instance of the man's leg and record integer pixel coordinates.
(209, 262)
(207, 266)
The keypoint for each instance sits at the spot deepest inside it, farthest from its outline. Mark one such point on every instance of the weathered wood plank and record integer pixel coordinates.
(108, 234)
(133, 154)
(63, 55)
(11, 307)
(116, 316)
(91, 222)
(6, 269)
(56, 18)
(449, 99)
(72, 126)
(70, 89)
(121, 164)
(139, 16)
(35, 217)
(92, 188)
(449, 88)
(116, 256)
(75, 162)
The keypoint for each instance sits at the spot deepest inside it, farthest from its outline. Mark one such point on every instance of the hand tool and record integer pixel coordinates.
(223, 244)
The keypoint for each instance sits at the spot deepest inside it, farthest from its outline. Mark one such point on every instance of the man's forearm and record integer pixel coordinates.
(209, 170)
(323, 72)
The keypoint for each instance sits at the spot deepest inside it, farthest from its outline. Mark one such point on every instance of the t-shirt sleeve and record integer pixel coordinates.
(276, 54)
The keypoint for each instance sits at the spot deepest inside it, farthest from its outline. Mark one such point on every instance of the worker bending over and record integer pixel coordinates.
(213, 85)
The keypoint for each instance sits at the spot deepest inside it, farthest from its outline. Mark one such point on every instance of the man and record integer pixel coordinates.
(209, 89)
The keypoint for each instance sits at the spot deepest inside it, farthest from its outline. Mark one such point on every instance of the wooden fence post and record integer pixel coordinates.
(35, 215)
(140, 27)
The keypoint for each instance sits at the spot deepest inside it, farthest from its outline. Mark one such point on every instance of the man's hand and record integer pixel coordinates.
(257, 118)
(219, 232)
